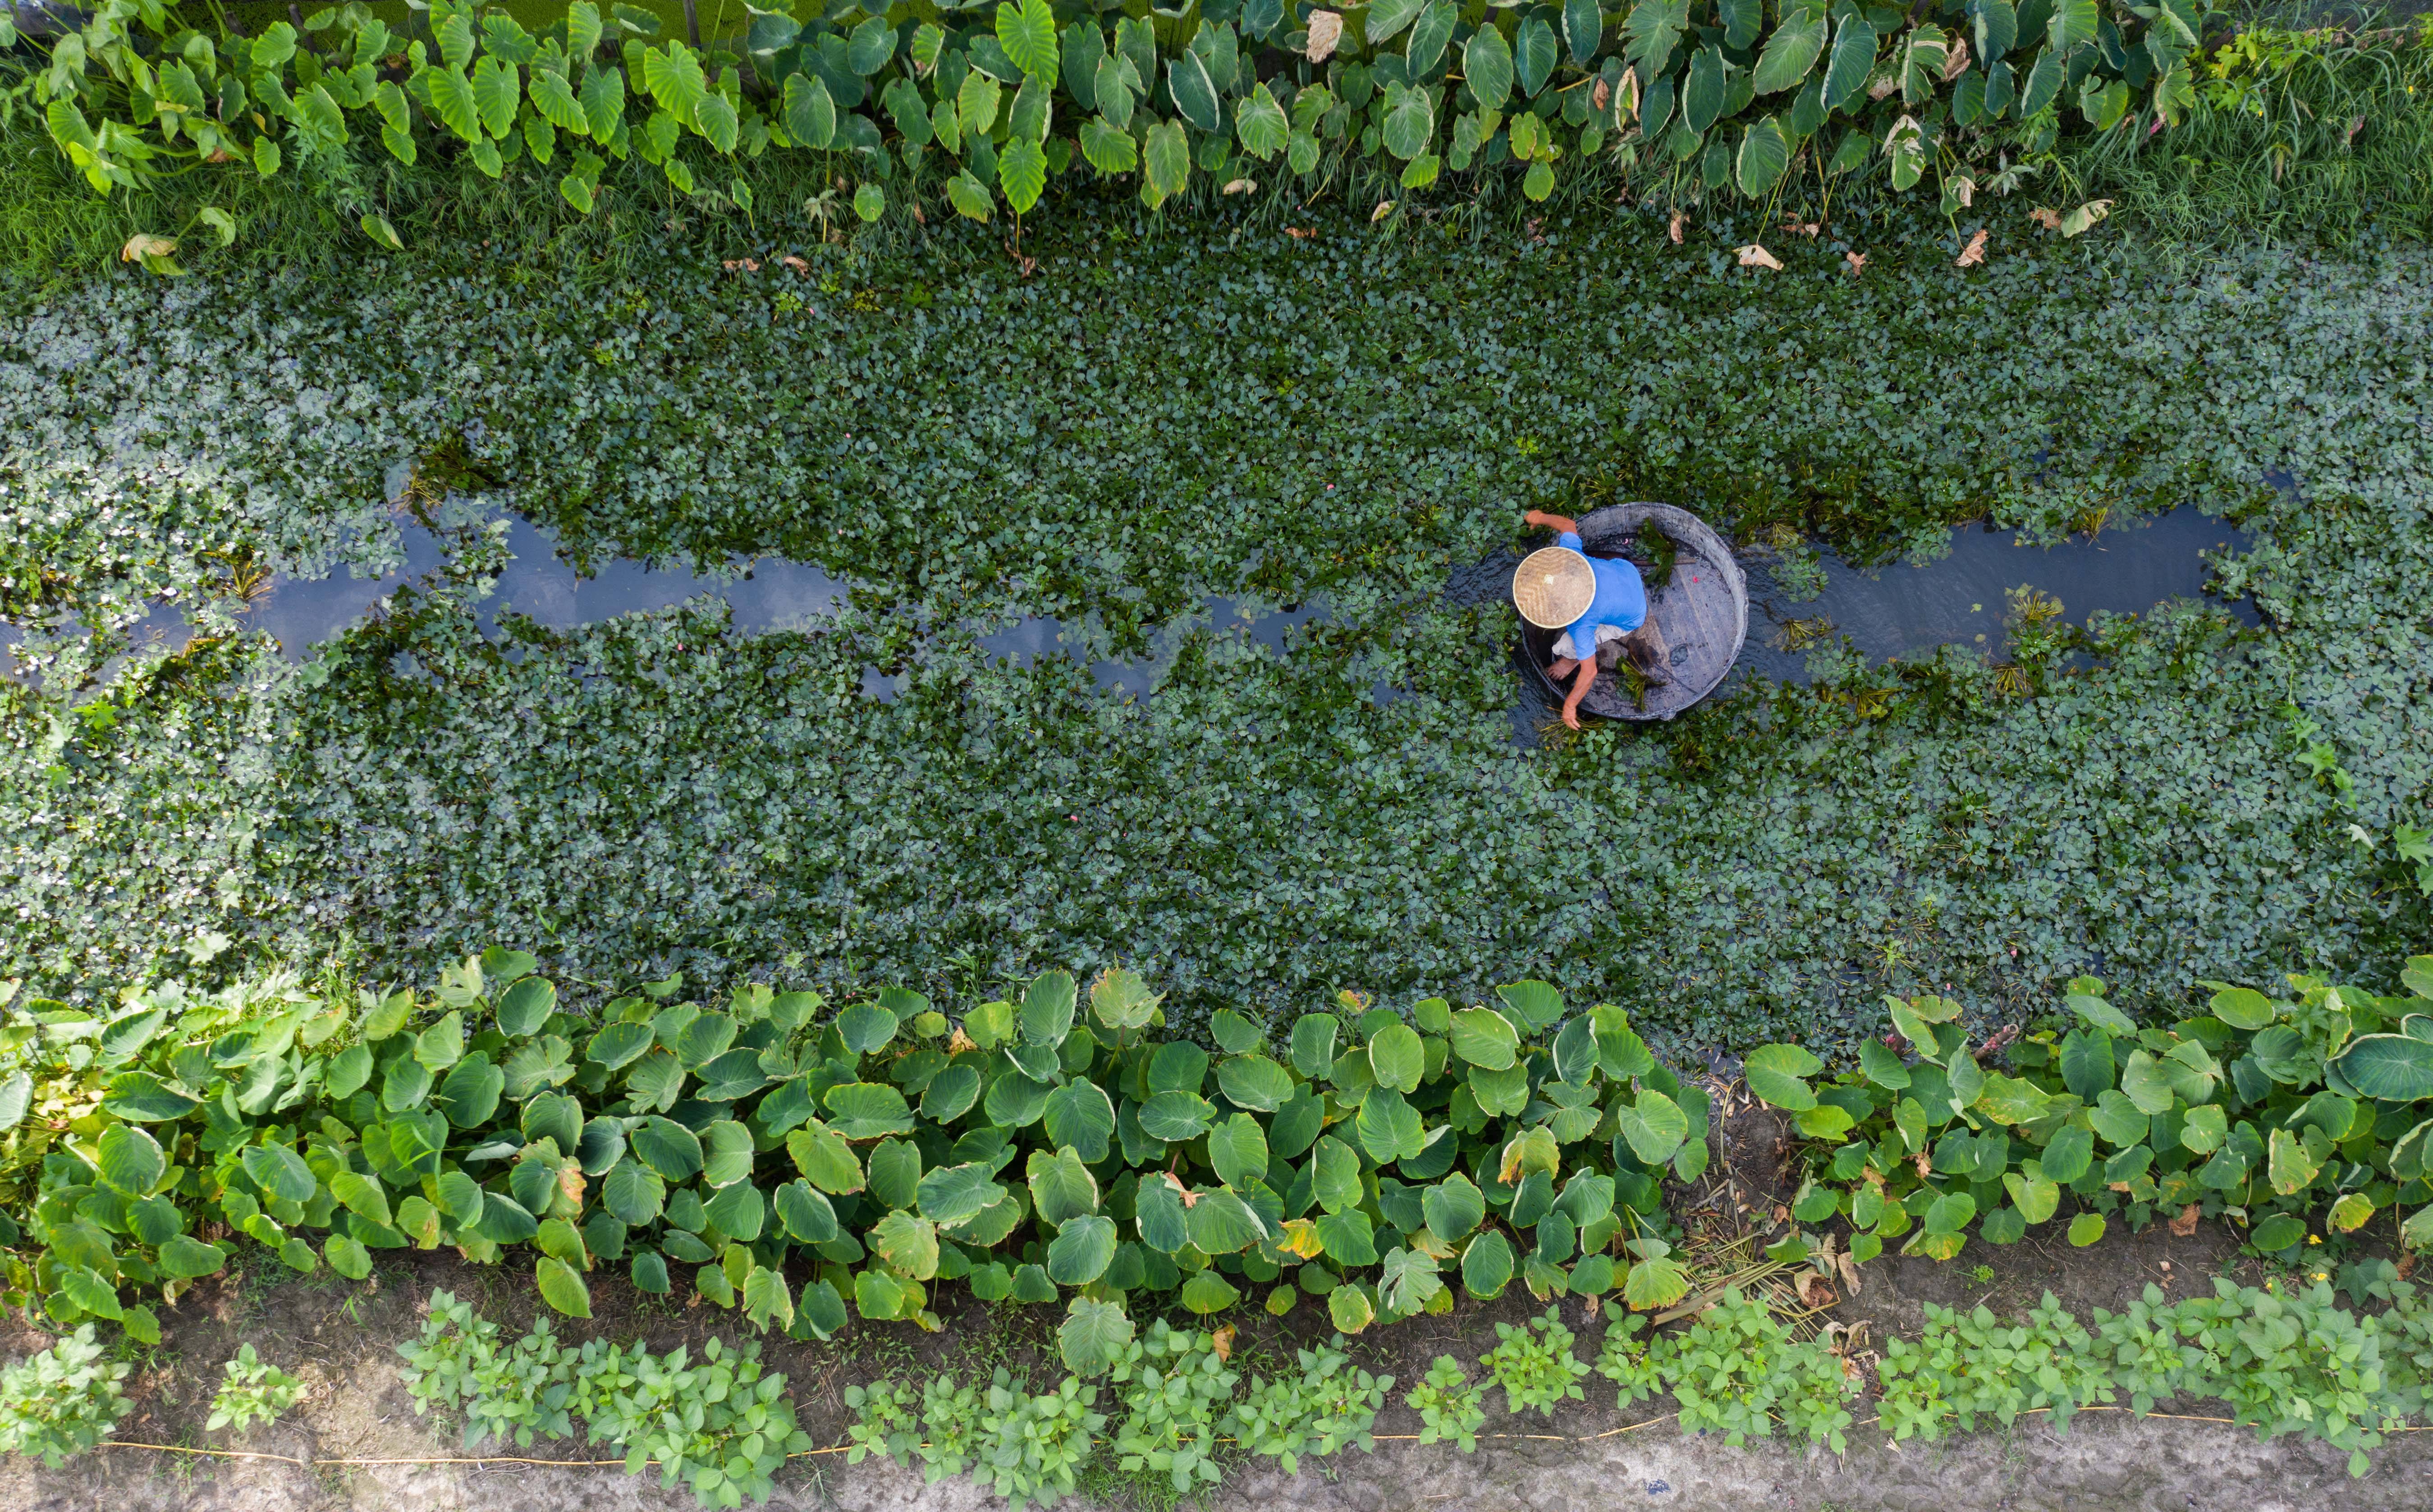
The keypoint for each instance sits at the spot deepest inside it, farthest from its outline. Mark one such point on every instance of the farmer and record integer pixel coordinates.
(1599, 605)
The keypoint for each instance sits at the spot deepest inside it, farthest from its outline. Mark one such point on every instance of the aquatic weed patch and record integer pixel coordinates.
(1147, 421)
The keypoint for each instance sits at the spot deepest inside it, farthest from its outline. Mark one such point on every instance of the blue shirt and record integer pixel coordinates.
(1621, 599)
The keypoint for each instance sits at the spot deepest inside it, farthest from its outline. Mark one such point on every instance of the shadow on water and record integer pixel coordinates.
(1905, 611)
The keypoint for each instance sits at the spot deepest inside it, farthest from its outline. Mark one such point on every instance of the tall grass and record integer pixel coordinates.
(2332, 140)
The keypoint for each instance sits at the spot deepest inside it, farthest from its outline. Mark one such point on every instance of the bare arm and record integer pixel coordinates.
(1580, 686)
(1554, 522)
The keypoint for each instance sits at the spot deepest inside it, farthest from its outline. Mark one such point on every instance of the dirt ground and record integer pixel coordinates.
(342, 1338)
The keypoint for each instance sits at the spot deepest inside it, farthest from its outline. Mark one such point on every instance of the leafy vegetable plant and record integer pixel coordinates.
(1448, 1403)
(1535, 1365)
(61, 1401)
(251, 1390)
(1331, 1405)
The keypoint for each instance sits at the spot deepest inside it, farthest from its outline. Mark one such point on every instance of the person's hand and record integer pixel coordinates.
(1535, 517)
(1572, 715)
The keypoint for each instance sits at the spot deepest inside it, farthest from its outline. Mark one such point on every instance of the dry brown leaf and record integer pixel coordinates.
(801, 266)
(1813, 1292)
(1856, 261)
(746, 264)
(1850, 1270)
(570, 1181)
(1883, 86)
(1222, 1342)
(958, 1041)
(1924, 1163)
(1325, 30)
(1754, 256)
(1301, 233)
(1675, 232)
(1964, 188)
(144, 243)
(1242, 186)
(1955, 62)
(2407, 1265)
(2045, 216)
(918, 218)
(1600, 96)
(1190, 1198)
(1385, 208)
(1803, 228)
(1974, 252)
(2185, 1224)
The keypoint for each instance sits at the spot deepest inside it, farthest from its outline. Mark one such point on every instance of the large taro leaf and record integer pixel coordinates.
(1094, 1335)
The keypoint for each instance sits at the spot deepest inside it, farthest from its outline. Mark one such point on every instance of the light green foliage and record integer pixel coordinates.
(1028, 1449)
(1329, 1406)
(720, 1425)
(887, 1422)
(950, 1425)
(1737, 1369)
(511, 1392)
(1964, 1365)
(1535, 1365)
(1449, 1404)
(61, 1401)
(1174, 1390)
(251, 1390)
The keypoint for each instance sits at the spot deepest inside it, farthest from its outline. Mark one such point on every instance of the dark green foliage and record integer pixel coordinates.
(1143, 424)
(2310, 1111)
(872, 1203)
(987, 102)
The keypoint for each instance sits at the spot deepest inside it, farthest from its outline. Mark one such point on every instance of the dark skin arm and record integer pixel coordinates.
(1564, 666)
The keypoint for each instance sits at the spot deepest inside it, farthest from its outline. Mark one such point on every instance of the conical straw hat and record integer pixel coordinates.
(1552, 587)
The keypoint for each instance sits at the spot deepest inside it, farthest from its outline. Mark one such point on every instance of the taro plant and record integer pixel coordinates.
(1053, 1147)
(2300, 1115)
(251, 1392)
(1697, 97)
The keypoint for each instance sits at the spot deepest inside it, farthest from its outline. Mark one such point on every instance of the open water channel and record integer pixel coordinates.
(1891, 611)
